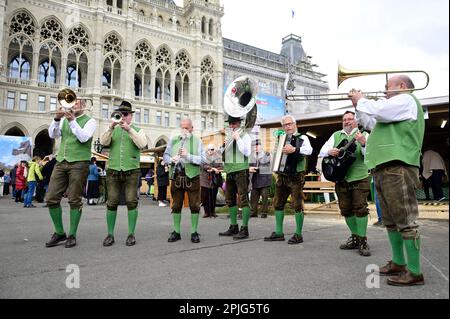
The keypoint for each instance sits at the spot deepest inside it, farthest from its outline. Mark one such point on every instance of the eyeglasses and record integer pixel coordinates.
(288, 124)
(125, 113)
(210, 149)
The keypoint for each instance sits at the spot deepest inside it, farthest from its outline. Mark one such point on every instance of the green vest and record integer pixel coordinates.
(191, 147)
(358, 170)
(124, 155)
(401, 141)
(71, 149)
(235, 161)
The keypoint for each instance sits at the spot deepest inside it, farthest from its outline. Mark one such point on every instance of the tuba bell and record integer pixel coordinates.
(239, 101)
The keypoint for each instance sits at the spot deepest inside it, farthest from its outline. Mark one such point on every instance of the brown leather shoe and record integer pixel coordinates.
(392, 269)
(406, 279)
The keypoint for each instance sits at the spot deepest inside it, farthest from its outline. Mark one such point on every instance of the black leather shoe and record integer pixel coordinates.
(263, 215)
(195, 238)
(243, 233)
(352, 243)
(131, 241)
(109, 241)
(55, 240)
(295, 239)
(71, 242)
(274, 237)
(254, 215)
(174, 237)
(233, 230)
(364, 248)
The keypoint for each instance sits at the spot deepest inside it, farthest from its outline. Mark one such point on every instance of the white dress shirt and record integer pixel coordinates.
(83, 134)
(398, 108)
(330, 143)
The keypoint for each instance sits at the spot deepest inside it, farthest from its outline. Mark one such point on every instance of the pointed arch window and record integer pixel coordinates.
(47, 72)
(19, 68)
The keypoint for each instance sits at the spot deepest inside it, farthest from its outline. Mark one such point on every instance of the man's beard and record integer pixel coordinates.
(348, 129)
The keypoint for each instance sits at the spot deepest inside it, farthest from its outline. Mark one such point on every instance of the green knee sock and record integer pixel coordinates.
(396, 240)
(279, 217)
(299, 217)
(351, 223)
(75, 216)
(233, 215)
(194, 222)
(245, 216)
(413, 252)
(111, 221)
(56, 215)
(177, 222)
(132, 219)
(361, 225)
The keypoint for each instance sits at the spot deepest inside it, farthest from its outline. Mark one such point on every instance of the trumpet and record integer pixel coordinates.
(117, 117)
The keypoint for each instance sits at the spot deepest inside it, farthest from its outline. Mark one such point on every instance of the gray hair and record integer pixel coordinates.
(186, 119)
(284, 118)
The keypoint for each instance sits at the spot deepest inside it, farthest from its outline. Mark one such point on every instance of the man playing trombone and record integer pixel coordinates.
(71, 170)
(393, 154)
(125, 141)
(185, 154)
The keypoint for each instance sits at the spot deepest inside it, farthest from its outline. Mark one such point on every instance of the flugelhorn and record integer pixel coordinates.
(116, 117)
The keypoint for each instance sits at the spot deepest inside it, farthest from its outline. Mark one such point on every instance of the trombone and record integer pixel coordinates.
(345, 74)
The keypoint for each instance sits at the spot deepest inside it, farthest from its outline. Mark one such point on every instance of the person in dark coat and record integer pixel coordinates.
(162, 177)
(261, 179)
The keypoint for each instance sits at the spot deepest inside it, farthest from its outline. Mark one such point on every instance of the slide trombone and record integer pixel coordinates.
(345, 74)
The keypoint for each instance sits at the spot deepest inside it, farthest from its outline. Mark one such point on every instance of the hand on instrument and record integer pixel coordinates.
(333, 152)
(236, 135)
(355, 96)
(113, 124)
(69, 116)
(183, 152)
(361, 139)
(289, 149)
(125, 126)
(253, 169)
(175, 159)
(60, 113)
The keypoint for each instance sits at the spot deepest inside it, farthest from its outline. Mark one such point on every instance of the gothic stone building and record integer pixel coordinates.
(170, 61)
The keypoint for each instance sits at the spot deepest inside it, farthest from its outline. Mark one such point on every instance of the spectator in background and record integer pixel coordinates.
(162, 177)
(210, 181)
(2, 182)
(21, 180)
(12, 174)
(34, 175)
(261, 178)
(149, 179)
(47, 171)
(7, 183)
(433, 172)
(93, 182)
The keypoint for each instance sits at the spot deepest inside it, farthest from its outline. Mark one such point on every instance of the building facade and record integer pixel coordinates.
(169, 61)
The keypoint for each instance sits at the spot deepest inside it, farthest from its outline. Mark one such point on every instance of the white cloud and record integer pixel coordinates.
(382, 34)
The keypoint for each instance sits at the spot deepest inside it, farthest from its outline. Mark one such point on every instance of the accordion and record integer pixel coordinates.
(284, 163)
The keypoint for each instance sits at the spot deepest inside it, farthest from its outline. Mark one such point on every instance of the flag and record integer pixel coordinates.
(293, 14)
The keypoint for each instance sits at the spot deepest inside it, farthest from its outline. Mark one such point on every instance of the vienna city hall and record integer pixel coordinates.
(169, 61)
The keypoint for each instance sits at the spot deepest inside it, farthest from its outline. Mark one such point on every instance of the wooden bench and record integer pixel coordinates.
(318, 187)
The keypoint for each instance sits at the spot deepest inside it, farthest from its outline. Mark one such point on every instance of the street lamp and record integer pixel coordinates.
(98, 146)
